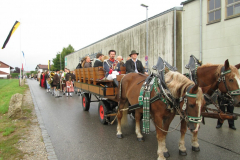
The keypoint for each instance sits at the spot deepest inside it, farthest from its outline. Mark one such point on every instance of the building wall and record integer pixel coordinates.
(190, 31)
(3, 76)
(220, 41)
(7, 70)
(161, 42)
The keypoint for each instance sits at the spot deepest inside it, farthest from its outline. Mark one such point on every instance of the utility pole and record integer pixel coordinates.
(146, 57)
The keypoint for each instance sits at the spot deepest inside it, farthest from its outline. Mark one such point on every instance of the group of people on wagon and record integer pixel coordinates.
(112, 65)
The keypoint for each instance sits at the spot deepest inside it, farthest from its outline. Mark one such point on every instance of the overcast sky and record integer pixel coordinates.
(49, 25)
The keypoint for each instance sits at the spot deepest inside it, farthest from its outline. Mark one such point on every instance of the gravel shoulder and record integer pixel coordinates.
(31, 142)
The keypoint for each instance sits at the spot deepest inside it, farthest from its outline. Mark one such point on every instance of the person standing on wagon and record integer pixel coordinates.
(133, 64)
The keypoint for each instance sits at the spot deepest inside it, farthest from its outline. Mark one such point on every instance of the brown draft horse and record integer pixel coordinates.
(207, 79)
(162, 117)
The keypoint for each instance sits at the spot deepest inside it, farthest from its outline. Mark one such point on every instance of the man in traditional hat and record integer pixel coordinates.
(133, 64)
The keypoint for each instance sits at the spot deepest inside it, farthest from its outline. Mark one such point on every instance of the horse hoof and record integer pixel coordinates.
(195, 149)
(166, 154)
(182, 153)
(120, 136)
(140, 139)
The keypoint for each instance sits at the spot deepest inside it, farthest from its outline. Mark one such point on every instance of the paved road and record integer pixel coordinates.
(79, 135)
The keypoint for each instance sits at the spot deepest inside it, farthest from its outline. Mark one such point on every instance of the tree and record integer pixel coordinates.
(34, 72)
(56, 60)
(17, 70)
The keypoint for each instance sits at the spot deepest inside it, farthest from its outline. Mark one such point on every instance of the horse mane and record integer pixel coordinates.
(218, 68)
(177, 83)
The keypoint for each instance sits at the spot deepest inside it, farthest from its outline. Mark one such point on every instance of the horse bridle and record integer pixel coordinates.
(223, 79)
(185, 116)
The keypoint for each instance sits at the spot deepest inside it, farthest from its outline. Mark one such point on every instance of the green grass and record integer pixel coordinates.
(9, 130)
(7, 149)
(9, 87)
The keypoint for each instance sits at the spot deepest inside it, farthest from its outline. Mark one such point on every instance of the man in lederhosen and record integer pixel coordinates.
(224, 103)
(63, 76)
(56, 84)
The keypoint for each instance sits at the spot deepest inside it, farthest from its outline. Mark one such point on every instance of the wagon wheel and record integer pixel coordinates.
(103, 111)
(85, 101)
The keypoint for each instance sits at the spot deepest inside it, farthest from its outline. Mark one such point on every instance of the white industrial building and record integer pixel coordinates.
(208, 29)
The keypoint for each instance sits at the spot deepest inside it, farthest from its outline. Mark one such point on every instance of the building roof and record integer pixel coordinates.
(6, 65)
(1, 72)
(42, 66)
(185, 2)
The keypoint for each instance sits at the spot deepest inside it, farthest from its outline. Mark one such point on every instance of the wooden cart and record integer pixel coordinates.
(92, 81)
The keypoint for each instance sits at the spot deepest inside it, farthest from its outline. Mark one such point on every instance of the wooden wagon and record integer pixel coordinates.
(92, 81)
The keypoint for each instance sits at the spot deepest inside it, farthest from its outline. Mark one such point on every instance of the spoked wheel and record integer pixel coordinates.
(103, 111)
(85, 101)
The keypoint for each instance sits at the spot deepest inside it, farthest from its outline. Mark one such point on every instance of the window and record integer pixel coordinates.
(233, 7)
(214, 10)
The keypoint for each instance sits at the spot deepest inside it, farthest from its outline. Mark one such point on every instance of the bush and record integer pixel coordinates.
(14, 75)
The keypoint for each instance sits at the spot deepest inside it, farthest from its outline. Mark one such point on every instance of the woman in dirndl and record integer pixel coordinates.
(70, 88)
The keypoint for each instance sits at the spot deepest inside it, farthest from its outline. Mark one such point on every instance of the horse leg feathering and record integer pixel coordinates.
(138, 129)
(181, 144)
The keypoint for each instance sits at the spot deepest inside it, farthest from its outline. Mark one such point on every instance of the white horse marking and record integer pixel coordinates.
(138, 130)
(161, 148)
(195, 140)
(238, 80)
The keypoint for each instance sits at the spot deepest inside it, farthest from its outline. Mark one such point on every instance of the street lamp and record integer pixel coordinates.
(146, 57)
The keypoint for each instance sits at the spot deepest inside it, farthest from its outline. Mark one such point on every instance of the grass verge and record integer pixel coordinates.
(9, 87)
(12, 129)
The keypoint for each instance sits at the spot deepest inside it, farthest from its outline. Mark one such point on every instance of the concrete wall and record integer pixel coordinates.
(220, 41)
(161, 41)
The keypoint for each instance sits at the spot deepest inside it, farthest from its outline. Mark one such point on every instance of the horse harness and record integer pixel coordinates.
(222, 78)
(192, 66)
(145, 100)
(194, 63)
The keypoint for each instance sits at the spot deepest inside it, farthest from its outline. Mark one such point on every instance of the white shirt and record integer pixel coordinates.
(135, 63)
